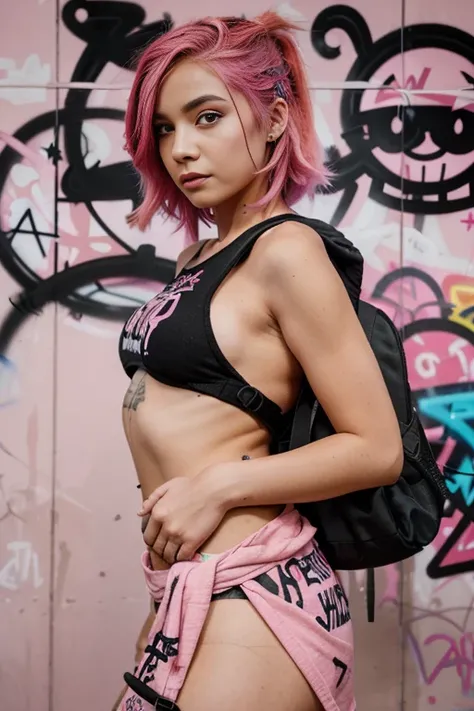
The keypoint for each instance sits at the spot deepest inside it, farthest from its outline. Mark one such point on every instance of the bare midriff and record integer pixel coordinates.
(176, 432)
(173, 432)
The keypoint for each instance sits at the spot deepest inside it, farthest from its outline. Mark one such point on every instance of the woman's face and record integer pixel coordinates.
(199, 131)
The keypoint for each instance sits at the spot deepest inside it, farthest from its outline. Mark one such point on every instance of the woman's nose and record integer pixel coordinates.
(184, 146)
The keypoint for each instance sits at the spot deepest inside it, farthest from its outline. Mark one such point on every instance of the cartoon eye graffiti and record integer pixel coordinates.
(418, 156)
(31, 245)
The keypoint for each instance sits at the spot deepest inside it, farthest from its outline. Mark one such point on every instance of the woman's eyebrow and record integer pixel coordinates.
(194, 104)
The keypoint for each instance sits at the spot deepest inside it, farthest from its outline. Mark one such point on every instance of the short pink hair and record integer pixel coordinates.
(233, 48)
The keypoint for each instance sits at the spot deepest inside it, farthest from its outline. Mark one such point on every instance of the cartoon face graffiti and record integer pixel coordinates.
(435, 133)
(417, 146)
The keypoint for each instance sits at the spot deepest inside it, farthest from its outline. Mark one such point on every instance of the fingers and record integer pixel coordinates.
(185, 552)
(153, 499)
(160, 544)
(174, 552)
(160, 541)
(144, 522)
(169, 548)
(166, 548)
(170, 552)
(152, 531)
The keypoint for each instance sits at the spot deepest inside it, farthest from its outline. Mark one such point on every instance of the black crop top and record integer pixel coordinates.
(171, 336)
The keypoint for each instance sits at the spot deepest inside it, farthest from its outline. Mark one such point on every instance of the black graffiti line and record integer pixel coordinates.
(365, 130)
(9, 157)
(28, 215)
(101, 289)
(143, 264)
(435, 568)
(90, 64)
(122, 34)
(115, 29)
(412, 273)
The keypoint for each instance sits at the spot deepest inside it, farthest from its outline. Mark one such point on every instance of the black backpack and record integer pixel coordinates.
(374, 527)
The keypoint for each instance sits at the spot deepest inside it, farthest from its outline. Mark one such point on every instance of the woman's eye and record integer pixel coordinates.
(162, 129)
(208, 118)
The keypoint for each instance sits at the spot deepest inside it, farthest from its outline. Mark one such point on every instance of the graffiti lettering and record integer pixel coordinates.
(454, 654)
(23, 566)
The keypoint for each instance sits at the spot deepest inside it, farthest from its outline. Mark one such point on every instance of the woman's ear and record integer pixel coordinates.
(278, 120)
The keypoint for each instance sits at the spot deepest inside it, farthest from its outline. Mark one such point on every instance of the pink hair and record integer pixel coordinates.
(233, 48)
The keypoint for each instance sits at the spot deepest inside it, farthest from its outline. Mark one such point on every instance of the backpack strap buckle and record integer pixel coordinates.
(251, 398)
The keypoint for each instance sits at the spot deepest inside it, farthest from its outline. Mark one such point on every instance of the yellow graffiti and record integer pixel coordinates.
(461, 296)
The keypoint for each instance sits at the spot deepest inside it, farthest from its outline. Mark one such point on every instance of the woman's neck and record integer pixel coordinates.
(231, 221)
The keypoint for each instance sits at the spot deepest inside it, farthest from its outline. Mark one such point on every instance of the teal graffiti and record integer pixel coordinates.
(462, 481)
(453, 410)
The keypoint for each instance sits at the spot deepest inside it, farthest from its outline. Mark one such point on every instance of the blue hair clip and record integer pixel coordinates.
(279, 88)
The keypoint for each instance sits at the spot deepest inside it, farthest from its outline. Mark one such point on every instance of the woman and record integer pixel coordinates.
(249, 614)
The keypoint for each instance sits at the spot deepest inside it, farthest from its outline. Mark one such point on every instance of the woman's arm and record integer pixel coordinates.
(312, 311)
(311, 308)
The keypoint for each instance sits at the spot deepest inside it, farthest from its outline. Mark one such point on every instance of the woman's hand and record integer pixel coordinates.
(183, 515)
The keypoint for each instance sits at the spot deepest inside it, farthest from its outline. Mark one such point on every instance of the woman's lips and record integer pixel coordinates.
(195, 182)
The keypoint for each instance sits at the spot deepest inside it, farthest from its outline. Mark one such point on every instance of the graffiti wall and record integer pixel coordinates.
(393, 92)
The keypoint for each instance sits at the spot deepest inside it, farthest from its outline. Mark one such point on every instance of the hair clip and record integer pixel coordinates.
(275, 71)
(279, 90)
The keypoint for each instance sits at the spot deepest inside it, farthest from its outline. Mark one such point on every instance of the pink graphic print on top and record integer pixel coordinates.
(145, 319)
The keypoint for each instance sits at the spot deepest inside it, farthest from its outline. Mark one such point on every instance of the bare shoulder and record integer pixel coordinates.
(290, 248)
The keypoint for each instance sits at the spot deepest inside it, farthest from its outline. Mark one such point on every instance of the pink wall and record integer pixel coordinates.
(72, 597)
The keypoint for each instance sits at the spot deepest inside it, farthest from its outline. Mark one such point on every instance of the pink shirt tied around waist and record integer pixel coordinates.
(183, 615)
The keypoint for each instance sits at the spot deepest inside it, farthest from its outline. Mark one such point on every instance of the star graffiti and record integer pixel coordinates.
(53, 152)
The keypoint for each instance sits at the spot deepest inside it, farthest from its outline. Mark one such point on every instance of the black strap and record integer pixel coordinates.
(370, 594)
(197, 253)
(249, 399)
(338, 250)
(305, 410)
(145, 692)
(342, 253)
(248, 238)
(367, 316)
(346, 258)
